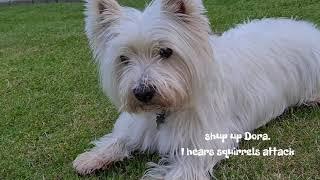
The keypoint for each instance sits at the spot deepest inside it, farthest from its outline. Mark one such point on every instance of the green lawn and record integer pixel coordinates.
(51, 105)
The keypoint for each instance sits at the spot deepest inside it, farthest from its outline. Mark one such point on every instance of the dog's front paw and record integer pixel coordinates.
(155, 172)
(88, 162)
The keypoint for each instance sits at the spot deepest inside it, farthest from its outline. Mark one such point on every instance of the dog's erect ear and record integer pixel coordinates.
(100, 16)
(107, 7)
(189, 14)
(183, 8)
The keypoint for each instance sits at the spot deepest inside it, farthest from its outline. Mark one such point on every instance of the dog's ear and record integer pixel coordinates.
(183, 8)
(189, 14)
(101, 15)
(107, 8)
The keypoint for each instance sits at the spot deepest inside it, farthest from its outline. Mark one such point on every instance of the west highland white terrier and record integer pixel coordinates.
(174, 81)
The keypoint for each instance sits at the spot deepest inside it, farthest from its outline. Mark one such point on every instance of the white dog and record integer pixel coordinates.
(174, 81)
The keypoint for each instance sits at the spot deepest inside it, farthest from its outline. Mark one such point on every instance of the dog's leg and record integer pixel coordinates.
(112, 147)
(108, 149)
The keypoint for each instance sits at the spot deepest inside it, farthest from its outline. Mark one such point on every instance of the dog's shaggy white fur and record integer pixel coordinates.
(204, 83)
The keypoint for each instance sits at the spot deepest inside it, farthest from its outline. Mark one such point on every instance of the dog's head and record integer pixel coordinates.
(150, 60)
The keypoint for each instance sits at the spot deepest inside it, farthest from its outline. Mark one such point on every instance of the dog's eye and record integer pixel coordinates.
(165, 53)
(124, 59)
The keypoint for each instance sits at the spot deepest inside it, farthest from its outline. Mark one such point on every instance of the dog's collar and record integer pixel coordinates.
(160, 118)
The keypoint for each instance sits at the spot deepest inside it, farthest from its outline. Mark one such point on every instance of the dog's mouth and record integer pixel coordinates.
(157, 104)
(148, 107)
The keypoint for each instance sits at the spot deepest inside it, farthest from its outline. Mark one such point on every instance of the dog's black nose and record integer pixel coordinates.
(144, 93)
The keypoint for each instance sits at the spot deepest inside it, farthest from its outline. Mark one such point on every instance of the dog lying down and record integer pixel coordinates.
(173, 81)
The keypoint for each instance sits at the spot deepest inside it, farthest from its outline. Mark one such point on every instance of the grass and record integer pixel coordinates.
(51, 105)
